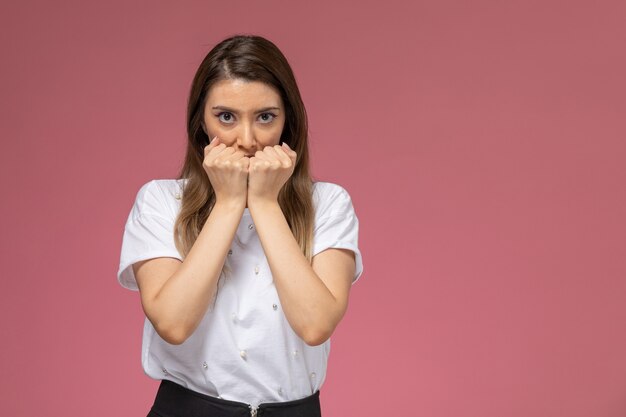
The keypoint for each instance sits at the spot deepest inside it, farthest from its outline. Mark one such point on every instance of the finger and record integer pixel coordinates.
(260, 156)
(259, 162)
(212, 144)
(282, 156)
(272, 156)
(253, 163)
(223, 152)
(239, 159)
(245, 163)
(270, 152)
(215, 150)
(292, 154)
(236, 155)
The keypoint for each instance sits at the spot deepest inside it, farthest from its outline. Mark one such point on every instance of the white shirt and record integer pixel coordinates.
(244, 348)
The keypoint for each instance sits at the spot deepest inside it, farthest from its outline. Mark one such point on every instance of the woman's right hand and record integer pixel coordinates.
(227, 170)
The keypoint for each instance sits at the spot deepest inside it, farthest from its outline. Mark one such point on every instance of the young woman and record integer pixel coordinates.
(244, 264)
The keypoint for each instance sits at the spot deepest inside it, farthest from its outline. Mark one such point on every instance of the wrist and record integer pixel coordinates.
(234, 205)
(260, 203)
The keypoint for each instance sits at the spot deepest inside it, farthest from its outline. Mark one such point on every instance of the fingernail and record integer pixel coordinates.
(285, 143)
(214, 139)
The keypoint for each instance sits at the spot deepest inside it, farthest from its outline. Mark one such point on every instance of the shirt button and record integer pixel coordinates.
(256, 270)
(280, 390)
(313, 375)
(274, 306)
(177, 196)
(164, 371)
(295, 353)
(230, 252)
(243, 354)
(204, 365)
(250, 226)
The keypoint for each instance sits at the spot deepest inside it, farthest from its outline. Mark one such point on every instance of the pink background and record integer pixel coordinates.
(483, 144)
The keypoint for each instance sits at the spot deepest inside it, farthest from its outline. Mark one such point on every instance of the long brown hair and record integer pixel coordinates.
(251, 58)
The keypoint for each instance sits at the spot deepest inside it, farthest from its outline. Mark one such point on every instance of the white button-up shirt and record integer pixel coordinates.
(244, 348)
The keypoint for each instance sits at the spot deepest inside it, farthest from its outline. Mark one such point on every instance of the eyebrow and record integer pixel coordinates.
(235, 111)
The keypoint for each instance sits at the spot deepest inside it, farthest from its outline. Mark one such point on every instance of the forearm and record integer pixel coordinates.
(309, 306)
(184, 299)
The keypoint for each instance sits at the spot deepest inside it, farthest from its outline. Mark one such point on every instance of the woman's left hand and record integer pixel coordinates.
(268, 172)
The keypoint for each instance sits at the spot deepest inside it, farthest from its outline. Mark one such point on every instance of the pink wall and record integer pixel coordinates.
(483, 144)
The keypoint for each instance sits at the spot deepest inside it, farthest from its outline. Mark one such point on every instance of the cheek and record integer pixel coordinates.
(215, 129)
(270, 136)
(278, 131)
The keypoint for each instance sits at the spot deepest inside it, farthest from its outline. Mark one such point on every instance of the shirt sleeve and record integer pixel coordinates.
(148, 233)
(336, 224)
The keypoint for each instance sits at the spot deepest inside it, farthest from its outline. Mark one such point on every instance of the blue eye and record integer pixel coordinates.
(225, 117)
(267, 117)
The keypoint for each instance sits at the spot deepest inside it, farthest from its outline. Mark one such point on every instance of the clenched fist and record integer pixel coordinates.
(227, 170)
(268, 172)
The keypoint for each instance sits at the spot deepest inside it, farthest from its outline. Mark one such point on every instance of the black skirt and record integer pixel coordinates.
(173, 400)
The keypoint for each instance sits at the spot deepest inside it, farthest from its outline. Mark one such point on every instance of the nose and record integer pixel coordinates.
(246, 139)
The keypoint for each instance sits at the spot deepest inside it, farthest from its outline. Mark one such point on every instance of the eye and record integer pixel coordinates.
(267, 117)
(225, 117)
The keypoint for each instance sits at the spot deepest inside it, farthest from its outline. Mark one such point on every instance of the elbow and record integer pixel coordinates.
(174, 338)
(174, 332)
(319, 331)
(315, 337)
(174, 335)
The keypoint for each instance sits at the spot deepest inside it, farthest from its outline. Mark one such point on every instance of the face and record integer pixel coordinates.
(247, 115)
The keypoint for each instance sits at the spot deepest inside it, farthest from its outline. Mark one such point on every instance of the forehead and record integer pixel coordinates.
(243, 94)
